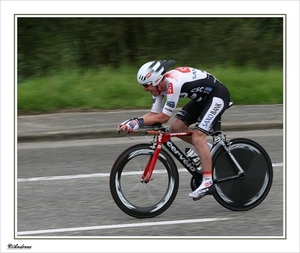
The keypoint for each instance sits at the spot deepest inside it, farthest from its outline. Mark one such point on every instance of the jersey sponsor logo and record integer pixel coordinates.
(171, 104)
(207, 120)
(216, 108)
(197, 89)
(167, 109)
(183, 69)
(207, 89)
(194, 74)
(209, 117)
(170, 89)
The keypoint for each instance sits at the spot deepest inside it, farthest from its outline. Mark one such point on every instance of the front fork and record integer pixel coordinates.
(150, 166)
(157, 145)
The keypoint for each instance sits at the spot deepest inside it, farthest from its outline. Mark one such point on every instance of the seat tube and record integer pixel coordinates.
(238, 166)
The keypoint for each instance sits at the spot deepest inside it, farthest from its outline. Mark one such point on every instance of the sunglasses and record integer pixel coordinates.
(146, 85)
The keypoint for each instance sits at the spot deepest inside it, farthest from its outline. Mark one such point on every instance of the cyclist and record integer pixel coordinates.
(209, 99)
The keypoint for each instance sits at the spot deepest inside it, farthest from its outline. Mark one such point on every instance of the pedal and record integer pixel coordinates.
(195, 199)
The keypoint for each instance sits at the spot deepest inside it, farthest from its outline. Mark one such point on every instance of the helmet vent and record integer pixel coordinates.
(153, 71)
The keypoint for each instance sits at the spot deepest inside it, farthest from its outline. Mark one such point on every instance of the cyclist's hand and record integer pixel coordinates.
(121, 126)
(131, 125)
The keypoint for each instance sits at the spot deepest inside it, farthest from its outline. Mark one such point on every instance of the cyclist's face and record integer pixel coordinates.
(162, 85)
(153, 89)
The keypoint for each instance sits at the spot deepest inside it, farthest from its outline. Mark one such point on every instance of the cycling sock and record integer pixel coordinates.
(207, 180)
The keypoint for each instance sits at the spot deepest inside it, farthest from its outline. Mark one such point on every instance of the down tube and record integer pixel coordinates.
(181, 157)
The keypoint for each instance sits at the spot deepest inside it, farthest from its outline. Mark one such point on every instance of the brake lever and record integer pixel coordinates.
(128, 135)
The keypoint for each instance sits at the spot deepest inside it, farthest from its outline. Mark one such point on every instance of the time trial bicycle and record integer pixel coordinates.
(144, 179)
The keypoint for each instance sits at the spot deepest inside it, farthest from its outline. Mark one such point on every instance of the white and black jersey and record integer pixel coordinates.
(209, 97)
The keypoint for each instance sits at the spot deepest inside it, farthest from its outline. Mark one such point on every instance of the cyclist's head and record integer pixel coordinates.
(152, 72)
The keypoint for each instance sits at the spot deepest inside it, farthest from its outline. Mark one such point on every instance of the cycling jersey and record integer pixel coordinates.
(209, 97)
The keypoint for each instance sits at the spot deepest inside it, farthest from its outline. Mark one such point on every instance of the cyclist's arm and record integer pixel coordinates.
(156, 115)
(153, 117)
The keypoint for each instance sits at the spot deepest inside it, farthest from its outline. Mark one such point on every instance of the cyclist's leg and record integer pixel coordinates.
(187, 116)
(179, 126)
(199, 140)
(212, 111)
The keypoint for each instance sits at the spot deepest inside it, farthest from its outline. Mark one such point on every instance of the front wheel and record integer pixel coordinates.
(245, 193)
(135, 197)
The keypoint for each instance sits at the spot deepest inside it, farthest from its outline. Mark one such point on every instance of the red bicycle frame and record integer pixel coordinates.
(161, 138)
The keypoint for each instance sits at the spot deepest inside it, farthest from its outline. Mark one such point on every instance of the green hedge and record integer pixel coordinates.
(46, 45)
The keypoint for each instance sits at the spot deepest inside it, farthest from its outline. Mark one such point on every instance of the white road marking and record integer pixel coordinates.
(82, 176)
(159, 223)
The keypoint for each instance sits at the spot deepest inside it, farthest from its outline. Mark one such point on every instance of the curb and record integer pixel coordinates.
(112, 133)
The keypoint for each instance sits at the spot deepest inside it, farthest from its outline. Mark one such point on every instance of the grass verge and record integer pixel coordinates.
(109, 89)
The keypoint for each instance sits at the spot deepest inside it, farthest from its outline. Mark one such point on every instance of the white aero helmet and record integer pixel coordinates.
(152, 72)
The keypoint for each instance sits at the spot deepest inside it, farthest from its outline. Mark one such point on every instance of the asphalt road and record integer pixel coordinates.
(63, 191)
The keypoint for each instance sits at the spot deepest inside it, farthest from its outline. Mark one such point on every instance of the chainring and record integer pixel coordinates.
(195, 183)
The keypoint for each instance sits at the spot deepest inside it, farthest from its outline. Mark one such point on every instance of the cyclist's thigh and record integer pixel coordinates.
(190, 112)
(211, 113)
(178, 126)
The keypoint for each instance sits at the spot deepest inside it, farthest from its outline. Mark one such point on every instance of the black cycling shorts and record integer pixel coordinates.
(205, 113)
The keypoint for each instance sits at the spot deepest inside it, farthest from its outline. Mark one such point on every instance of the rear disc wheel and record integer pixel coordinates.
(242, 194)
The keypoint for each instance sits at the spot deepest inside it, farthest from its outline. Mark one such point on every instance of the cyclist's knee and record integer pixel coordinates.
(199, 138)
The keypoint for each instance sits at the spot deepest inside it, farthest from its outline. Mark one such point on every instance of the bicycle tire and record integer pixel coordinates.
(242, 194)
(138, 199)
